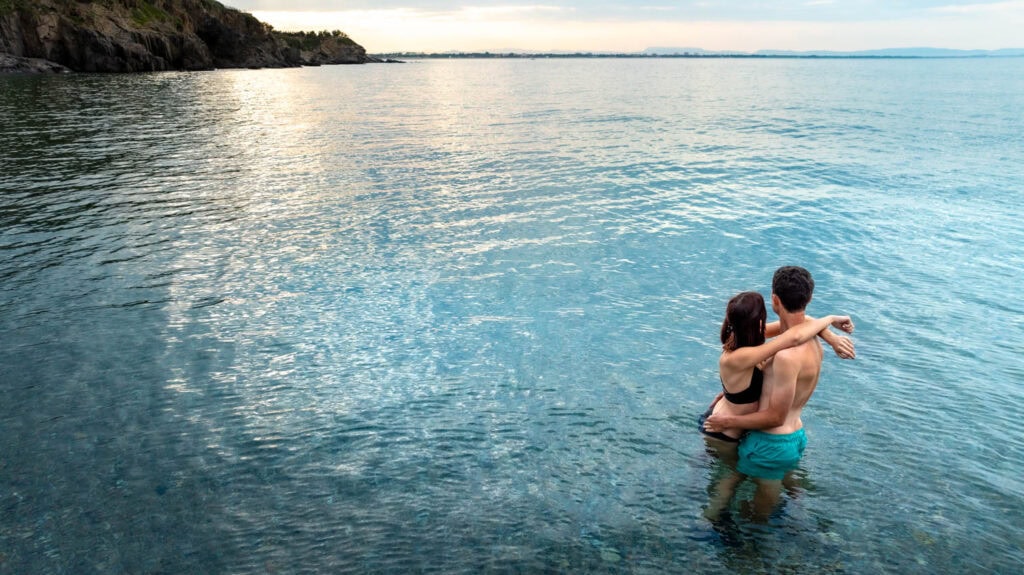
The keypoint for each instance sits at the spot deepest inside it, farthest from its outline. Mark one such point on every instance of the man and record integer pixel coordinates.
(776, 439)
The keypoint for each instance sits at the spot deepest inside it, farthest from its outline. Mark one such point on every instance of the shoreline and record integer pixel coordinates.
(11, 65)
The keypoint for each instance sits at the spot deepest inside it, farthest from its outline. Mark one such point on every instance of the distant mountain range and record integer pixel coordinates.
(674, 52)
(884, 53)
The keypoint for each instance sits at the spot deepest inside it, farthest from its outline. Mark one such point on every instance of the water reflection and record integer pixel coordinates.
(452, 317)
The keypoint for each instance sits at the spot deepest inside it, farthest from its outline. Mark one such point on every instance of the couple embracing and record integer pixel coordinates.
(755, 420)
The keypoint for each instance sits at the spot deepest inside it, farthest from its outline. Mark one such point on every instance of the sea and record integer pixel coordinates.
(461, 316)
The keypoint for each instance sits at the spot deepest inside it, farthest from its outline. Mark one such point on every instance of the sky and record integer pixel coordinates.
(383, 26)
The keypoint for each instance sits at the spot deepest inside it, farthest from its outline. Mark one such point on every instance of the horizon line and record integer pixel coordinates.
(907, 52)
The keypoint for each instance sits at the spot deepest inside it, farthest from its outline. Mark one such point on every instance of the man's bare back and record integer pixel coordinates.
(798, 367)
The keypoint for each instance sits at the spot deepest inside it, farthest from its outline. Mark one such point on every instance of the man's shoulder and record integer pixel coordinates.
(795, 358)
(790, 354)
(801, 355)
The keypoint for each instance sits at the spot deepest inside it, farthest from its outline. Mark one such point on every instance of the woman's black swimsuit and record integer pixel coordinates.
(749, 395)
(753, 391)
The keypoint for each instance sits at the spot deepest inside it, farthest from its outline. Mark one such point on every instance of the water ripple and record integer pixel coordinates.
(460, 316)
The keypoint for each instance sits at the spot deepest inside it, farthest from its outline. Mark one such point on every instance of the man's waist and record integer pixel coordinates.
(777, 436)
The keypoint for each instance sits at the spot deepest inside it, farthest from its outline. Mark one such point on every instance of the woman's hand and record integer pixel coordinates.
(842, 322)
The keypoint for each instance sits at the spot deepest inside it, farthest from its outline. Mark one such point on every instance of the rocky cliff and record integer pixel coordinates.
(152, 35)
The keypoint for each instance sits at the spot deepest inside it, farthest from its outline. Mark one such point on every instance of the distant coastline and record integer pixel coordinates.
(885, 54)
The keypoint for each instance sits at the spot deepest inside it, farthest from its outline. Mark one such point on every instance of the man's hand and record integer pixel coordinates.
(843, 346)
(717, 422)
(843, 322)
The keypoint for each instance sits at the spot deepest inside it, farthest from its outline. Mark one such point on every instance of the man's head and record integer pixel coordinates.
(792, 288)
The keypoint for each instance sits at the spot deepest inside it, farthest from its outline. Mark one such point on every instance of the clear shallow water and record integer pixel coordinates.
(461, 316)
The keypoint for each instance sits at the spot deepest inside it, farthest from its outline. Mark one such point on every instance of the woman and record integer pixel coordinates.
(745, 351)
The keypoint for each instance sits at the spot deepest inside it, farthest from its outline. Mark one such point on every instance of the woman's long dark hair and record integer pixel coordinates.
(745, 316)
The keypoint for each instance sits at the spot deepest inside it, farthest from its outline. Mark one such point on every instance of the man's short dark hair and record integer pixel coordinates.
(794, 286)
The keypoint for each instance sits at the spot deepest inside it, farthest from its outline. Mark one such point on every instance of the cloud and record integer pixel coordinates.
(398, 30)
(502, 25)
(989, 8)
(508, 12)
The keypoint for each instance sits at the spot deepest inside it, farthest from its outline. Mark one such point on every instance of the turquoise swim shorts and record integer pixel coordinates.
(770, 456)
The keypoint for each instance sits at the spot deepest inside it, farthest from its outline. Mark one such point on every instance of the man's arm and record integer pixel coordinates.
(775, 405)
(842, 345)
(716, 400)
(749, 356)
